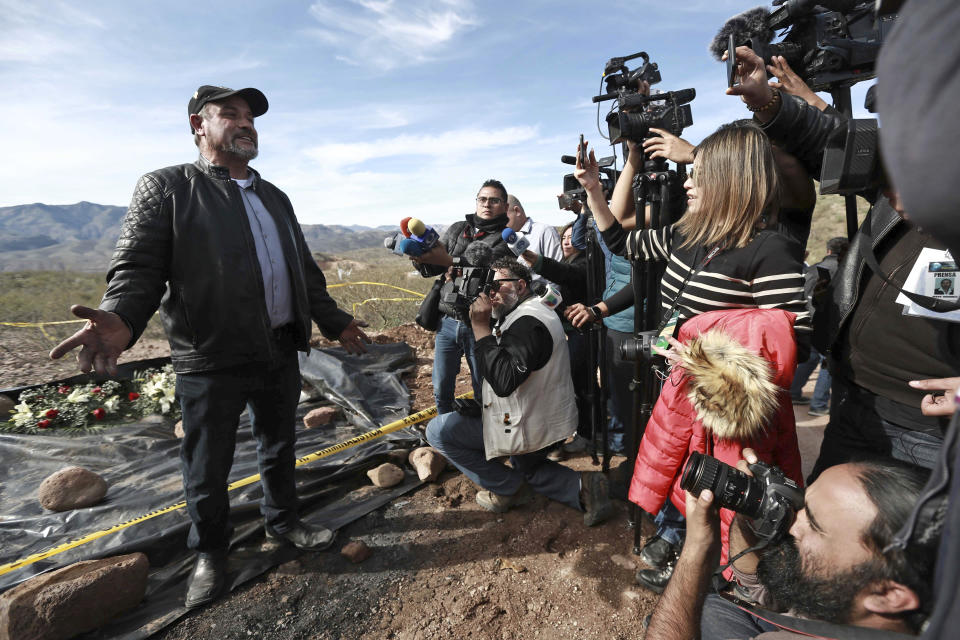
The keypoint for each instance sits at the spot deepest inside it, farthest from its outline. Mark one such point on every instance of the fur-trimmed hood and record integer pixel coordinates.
(731, 387)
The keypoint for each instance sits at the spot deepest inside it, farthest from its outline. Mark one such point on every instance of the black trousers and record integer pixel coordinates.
(212, 403)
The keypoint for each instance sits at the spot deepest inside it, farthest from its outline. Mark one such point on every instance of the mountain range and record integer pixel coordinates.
(81, 236)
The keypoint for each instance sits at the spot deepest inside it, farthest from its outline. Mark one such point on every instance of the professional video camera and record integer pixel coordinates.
(636, 113)
(829, 43)
(571, 187)
(769, 498)
(472, 276)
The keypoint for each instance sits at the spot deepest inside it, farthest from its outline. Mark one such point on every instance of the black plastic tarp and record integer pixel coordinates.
(141, 465)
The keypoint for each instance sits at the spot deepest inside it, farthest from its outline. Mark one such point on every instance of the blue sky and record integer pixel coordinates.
(379, 109)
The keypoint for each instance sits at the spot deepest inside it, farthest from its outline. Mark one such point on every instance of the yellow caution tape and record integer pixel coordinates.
(412, 419)
(377, 284)
(363, 302)
(39, 324)
(419, 295)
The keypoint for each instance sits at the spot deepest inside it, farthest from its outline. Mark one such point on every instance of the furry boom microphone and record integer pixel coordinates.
(751, 25)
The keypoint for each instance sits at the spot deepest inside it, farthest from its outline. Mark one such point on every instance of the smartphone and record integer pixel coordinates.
(731, 61)
(582, 152)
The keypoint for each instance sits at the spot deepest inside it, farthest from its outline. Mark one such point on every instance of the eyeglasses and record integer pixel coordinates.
(493, 201)
(495, 285)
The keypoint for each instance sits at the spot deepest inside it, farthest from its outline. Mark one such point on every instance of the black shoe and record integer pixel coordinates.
(658, 552)
(656, 579)
(595, 498)
(304, 536)
(208, 579)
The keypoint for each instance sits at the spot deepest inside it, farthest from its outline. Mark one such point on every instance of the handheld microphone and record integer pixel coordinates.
(515, 242)
(419, 237)
(410, 247)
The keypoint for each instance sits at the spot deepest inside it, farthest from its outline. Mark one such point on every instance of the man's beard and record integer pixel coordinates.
(810, 591)
(244, 153)
(508, 304)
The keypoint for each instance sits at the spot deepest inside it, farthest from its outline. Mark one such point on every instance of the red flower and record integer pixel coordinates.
(97, 390)
(63, 389)
(51, 413)
(133, 395)
(99, 413)
(43, 424)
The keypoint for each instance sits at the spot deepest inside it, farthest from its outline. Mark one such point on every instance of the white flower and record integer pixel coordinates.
(111, 404)
(78, 395)
(23, 414)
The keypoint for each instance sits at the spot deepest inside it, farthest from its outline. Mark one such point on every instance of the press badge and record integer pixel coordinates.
(934, 274)
(940, 280)
(668, 330)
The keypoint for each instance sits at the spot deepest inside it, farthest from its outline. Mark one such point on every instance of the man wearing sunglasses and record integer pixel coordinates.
(528, 404)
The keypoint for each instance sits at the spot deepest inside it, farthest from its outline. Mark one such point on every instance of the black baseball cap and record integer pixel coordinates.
(209, 93)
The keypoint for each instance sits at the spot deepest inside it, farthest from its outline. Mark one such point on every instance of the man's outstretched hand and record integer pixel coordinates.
(352, 338)
(102, 340)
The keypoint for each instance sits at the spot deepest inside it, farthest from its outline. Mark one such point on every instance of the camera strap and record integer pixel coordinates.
(866, 252)
(690, 274)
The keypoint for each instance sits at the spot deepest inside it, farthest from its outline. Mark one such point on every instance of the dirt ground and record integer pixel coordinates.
(441, 566)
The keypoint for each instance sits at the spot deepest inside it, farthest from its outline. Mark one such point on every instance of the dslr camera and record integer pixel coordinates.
(769, 499)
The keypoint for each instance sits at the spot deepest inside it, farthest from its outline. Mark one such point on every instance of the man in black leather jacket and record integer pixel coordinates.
(220, 251)
(874, 349)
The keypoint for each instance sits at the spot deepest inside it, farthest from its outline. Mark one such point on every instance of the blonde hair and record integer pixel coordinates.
(737, 183)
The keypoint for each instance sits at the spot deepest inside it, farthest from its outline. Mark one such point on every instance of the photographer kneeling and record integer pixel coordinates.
(528, 405)
(835, 565)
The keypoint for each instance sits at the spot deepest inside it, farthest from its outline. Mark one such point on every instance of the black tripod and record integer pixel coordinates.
(656, 189)
(596, 355)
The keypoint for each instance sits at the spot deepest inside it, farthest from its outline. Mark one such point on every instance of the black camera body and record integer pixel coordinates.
(830, 43)
(572, 191)
(770, 499)
(468, 284)
(635, 125)
(636, 112)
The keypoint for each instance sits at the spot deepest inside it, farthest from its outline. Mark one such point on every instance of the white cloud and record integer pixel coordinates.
(458, 142)
(389, 34)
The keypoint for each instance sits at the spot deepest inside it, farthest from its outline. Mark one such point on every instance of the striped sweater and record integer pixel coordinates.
(765, 274)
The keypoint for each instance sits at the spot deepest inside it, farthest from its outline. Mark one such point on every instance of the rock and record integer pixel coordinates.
(398, 457)
(356, 551)
(386, 475)
(6, 407)
(507, 563)
(623, 562)
(73, 600)
(178, 429)
(71, 488)
(428, 463)
(319, 416)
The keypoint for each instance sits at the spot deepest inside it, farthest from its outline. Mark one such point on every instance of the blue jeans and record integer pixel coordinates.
(671, 525)
(620, 399)
(855, 430)
(454, 339)
(460, 440)
(821, 391)
(212, 403)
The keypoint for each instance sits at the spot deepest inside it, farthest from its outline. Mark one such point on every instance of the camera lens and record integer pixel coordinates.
(733, 489)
